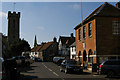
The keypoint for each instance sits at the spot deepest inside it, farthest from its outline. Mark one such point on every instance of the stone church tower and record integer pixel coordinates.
(13, 27)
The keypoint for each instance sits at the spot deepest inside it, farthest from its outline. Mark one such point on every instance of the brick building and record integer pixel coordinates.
(98, 36)
(64, 45)
(45, 51)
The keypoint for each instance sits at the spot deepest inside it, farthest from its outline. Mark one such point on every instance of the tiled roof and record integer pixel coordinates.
(73, 44)
(43, 46)
(67, 40)
(37, 48)
(105, 9)
(46, 45)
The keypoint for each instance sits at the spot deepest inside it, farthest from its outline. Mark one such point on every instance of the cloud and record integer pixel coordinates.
(2, 14)
(76, 6)
(41, 28)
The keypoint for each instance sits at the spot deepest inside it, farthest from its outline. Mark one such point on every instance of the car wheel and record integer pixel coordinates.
(61, 70)
(110, 74)
(66, 70)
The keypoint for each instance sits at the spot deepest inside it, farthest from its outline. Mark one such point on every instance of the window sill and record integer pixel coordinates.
(79, 40)
(90, 36)
(84, 38)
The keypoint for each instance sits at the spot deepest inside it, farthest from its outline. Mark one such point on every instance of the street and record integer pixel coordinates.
(49, 70)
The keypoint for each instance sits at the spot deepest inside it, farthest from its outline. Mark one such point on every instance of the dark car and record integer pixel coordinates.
(38, 60)
(20, 60)
(59, 62)
(55, 59)
(70, 65)
(110, 68)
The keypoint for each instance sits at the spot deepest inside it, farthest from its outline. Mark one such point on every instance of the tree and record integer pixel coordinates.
(16, 49)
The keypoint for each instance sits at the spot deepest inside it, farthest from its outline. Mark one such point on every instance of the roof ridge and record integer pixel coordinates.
(95, 13)
(102, 6)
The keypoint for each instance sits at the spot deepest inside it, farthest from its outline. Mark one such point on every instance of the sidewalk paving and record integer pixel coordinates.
(89, 71)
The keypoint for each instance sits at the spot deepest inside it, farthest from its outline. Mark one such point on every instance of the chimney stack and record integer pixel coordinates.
(71, 35)
(55, 39)
(118, 4)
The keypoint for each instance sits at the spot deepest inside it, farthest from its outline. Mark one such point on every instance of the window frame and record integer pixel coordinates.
(79, 34)
(84, 32)
(90, 30)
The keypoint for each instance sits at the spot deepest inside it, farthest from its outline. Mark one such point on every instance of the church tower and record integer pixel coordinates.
(13, 27)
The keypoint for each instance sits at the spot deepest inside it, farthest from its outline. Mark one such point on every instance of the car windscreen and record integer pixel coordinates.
(112, 63)
(71, 62)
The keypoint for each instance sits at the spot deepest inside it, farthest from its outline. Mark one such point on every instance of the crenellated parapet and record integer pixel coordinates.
(14, 14)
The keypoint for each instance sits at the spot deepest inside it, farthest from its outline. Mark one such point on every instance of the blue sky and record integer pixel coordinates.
(47, 19)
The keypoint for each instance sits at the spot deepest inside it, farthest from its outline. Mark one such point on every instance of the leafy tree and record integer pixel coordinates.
(16, 49)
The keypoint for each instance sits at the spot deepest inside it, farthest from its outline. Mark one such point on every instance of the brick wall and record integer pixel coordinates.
(90, 42)
(107, 42)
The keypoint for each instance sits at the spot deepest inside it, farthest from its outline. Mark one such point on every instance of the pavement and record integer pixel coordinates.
(88, 71)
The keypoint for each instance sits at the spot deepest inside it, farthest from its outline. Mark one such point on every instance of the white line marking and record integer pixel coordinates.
(45, 66)
(49, 69)
(55, 74)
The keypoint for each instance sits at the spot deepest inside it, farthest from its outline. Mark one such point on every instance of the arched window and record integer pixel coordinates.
(90, 58)
(84, 56)
(79, 53)
(80, 61)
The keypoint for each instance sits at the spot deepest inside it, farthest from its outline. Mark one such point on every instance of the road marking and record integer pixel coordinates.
(55, 74)
(49, 69)
(45, 66)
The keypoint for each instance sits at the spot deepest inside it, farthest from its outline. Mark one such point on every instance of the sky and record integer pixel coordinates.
(47, 20)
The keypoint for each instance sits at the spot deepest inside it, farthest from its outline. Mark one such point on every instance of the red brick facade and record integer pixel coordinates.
(104, 41)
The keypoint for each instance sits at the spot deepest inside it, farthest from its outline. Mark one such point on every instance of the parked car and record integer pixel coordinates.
(18, 60)
(38, 59)
(55, 59)
(110, 68)
(69, 65)
(59, 61)
(28, 59)
(22, 61)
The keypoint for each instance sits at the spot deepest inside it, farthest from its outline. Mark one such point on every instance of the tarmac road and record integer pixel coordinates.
(50, 71)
